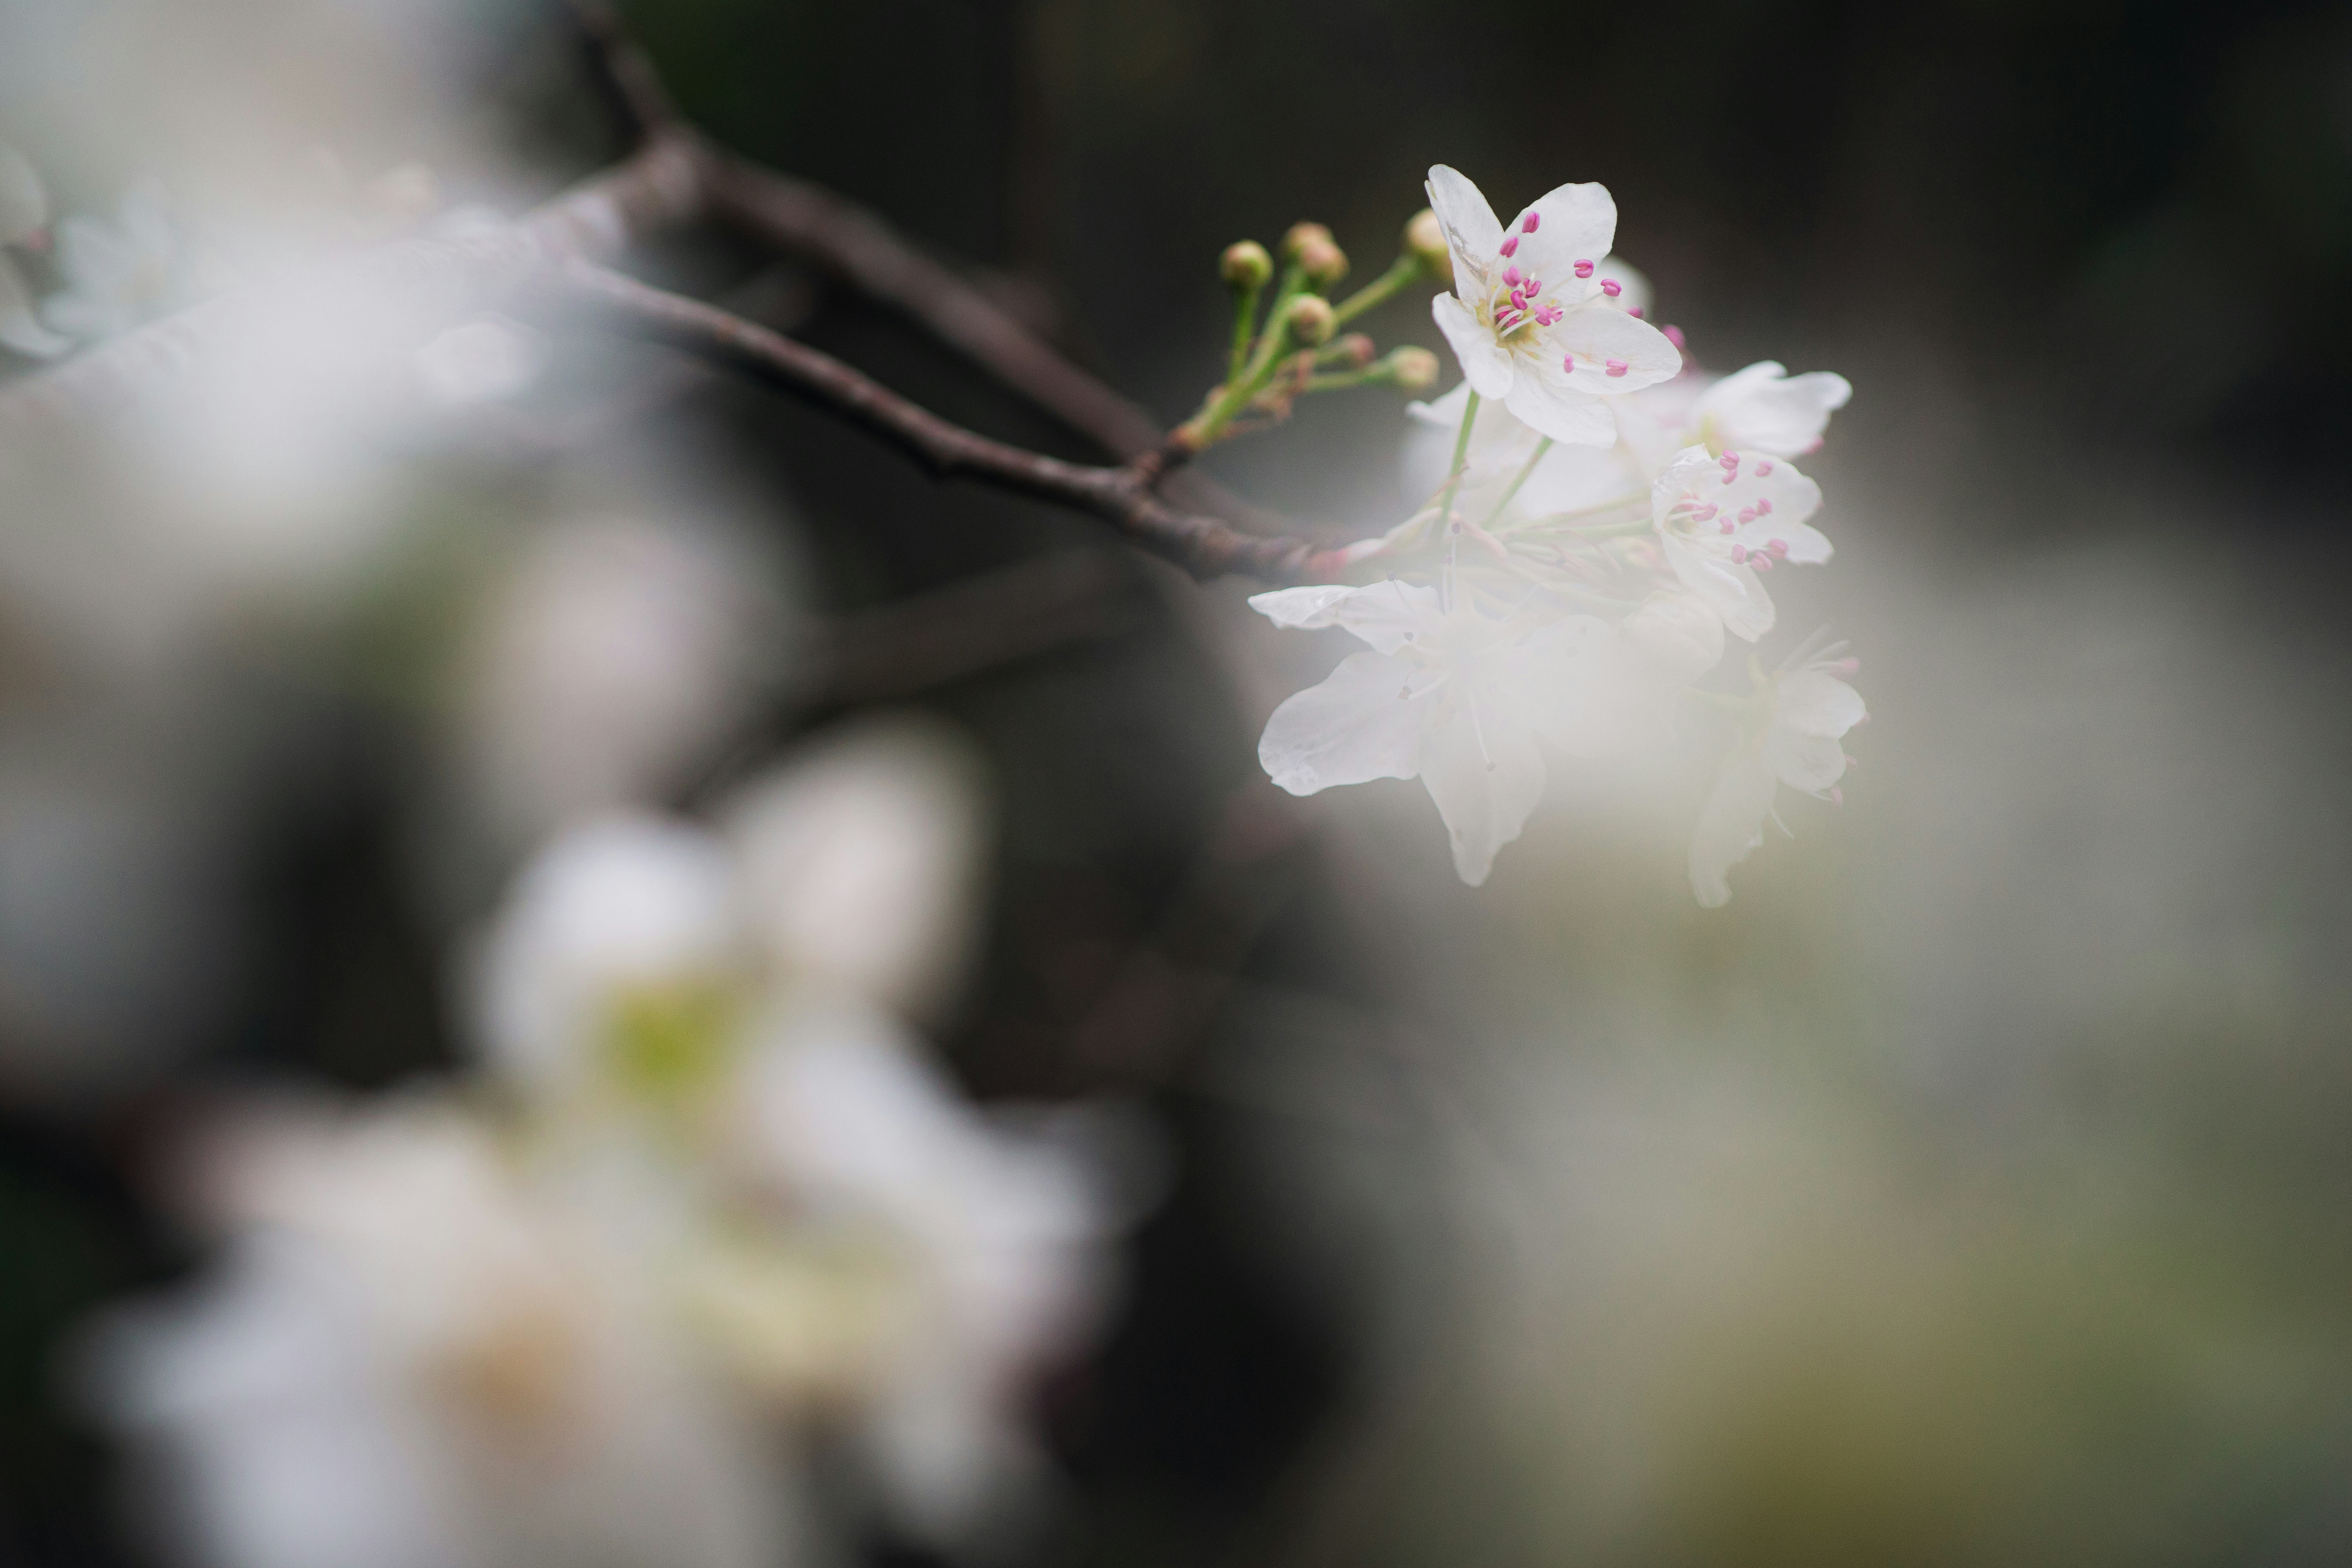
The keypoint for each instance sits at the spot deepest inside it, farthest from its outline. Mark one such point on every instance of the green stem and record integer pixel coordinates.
(1406, 268)
(1525, 474)
(1461, 461)
(1245, 329)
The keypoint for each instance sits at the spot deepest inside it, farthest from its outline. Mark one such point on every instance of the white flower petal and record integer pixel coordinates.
(1387, 615)
(1730, 825)
(1471, 230)
(1808, 762)
(1601, 335)
(1486, 776)
(1577, 223)
(1733, 592)
(1357, 725)
(1764, 409)
(1546, 399)
(1812, 703)
(1486, 362)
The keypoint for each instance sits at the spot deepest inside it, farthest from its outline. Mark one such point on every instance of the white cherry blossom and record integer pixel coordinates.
(1446, 693)
(405, 1358)
(1537, 326)
(1793, 739)
(1723, 521)
(1762, 411)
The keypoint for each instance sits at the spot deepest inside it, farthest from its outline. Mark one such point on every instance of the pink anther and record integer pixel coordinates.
(1584, 269)
(1761, 561)
(1729, 460)
(1747, 514)
(1846, 666)
(1530, 222)
(1634, 312)
(1610, 286)
(1739, 556)
(1567, 363)
(1706, 509)
(1778, 547)
(1763, 503)
(1513, 276)
(1837, 795)
(1511, 246)
(1675, 336)
(1618, 367)
(1764, 469)
(1726, 525)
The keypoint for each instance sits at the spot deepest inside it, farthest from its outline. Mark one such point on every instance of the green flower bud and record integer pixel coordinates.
(1312, 320)
(1246, 265)
(1424, 238)
(1415, 370)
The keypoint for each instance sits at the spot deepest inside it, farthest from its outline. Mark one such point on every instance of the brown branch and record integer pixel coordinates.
(1123, 497)
(859, 247)
(627, 78)
(671, 181)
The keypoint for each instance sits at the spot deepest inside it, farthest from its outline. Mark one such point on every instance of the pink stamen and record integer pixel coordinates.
(1584, 269)
(1535, 287)
(1846, 666)
(1513, 276)
(1763, 503)
(1837, 795)
(1675, 336)
(1739, 556)
(1727, 526)
(1729, 460)
(1706, 509)
(1761, 561)
(1531, 221)
(1518, 300)
(1610, 286)
(1763, 469)
(1618, 367)
(1851, 760)
(1747, 514)
(1511, 246)
(1634, 312)
(1778, 547)
(1567, 363)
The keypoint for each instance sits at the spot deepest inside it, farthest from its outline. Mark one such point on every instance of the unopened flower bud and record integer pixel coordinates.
(1246, 265)
(1424, 238)
(1415, 370)
(23, 204)
(1312, 320)
(1323, 262)
(1301, 235)
(1356, 348)
(1680, 631)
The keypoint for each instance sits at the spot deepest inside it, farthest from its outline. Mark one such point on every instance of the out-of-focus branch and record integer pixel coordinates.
(623, 73)
(1123, 497)
(673, 179)
(427, 280)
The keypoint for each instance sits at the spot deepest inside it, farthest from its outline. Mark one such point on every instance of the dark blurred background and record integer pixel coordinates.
(2088, 266)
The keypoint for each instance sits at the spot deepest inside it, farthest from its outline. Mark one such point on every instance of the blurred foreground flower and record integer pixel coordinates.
(407, 1357)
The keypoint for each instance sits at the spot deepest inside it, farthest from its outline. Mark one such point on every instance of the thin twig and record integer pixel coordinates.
(1122, 497)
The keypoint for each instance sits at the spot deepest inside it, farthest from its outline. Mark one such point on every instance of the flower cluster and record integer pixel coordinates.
(1603, 513)
(732, 1205)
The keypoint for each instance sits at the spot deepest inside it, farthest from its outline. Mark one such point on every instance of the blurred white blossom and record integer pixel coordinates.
(1792, 736)
(117, 272)
(405, 1359)
(615, 655)
(24, 215)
